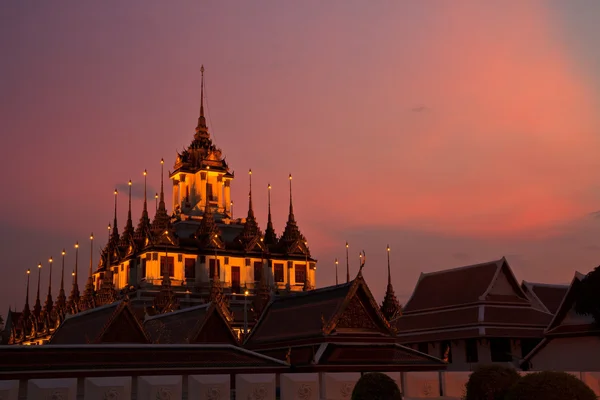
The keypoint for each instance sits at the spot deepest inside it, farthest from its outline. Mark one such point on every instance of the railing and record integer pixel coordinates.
(267, 386)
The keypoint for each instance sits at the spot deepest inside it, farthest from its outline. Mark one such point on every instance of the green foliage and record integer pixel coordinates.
(587, 301)
(376, 386)
(549, 385)
(491, 382)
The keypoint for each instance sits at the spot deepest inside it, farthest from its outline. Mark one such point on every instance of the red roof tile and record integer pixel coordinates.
(516, 316)
(436, 320)
(438, 336)
(452, 287)
(550, 295)
(364, 354)
(177, 327)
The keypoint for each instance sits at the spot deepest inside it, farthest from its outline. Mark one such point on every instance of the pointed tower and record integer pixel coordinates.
(143, 229)
(114, 238)
(128, 232)
(270, 235)
(37, 308)
(61, 300)
(251, 233)
(161, 221)
(261, 296)
(73, 301)
(49, 303)
(291, 234)
(390, 307)
(216, 289)
(201, 174)
(87, 300)
(165, 301)
(26, 311)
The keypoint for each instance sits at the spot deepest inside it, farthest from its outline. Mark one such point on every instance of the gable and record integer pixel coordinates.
(359, 315)
(214, 329)
(505, 287)
(123, 328)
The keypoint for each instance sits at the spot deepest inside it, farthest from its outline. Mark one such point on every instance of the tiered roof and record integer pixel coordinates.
(547, 296)
(482, 300)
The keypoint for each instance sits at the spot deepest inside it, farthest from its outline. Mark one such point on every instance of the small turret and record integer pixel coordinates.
(390, 308)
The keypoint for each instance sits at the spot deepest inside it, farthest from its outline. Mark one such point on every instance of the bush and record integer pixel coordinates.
(376, 386)
(549, 385)
(491, 382)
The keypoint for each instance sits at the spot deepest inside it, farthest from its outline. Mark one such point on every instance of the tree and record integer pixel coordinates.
(376, 386)
(550, 385)
(587, 300)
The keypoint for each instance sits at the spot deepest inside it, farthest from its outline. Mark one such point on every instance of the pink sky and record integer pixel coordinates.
(457, 132)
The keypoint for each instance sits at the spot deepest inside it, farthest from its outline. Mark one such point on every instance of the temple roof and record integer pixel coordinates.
(346, 308)
(549, 296)
(481, 300)
(105, 324)
(199, 324)
(462, 286)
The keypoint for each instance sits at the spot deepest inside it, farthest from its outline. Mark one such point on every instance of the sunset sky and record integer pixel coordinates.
(455, 131)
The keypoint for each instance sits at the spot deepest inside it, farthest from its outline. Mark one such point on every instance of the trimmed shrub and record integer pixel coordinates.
(376, 386)
(550, 385)
(491, 382)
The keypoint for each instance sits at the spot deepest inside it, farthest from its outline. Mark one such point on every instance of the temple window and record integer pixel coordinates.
(500, 349)
(154, 256)
(144, 268)
(226, 260)
(170, 265)
(278, 272)
(235, 280)
(471, 351)
(247, 261)
(257, 270)
(179, 257)
(300, 273)
(190, 268)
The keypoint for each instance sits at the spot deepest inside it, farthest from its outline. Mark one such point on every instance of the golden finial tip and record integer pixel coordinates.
(145, 172)
(72, 273)
(290, 177)
(28, 271)
(40, 265)
(130, 182)
(269, 186)
(250, 171)
(202, 68)
(50, 259)
(162, 161)
(156, 195)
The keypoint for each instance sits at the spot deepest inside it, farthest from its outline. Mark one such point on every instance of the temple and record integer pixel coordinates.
(197, 253)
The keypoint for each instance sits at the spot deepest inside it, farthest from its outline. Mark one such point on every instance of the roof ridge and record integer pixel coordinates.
(425, 274)
(324, 289)
(550, 285)
(181, 311)
(91, 310)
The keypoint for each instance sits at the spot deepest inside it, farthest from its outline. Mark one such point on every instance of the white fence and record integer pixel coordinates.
(292, 386)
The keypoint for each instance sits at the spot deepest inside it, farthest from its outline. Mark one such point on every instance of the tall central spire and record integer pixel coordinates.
(201, 128)
(291, 234)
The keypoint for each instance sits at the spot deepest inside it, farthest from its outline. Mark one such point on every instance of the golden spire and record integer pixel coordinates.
(388, 262)
(61, 300)
(250, 210)
(128, 231)
(144, 225)
(390, 307)
(91, 254)
(161, 218)
(49, 303)
(115, 231)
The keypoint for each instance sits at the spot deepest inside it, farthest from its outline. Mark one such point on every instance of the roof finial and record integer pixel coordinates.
(347, 265)
(49, 303)
(389, 270)
(145, 200)
(250, 209)
(336, 271)
(38, 305)
(91, 255)
(270, 236)
(62, 273)
(27, 292)
(128, 231)
(291, 205)
(115, 230)
(162, 192)
(201, 120)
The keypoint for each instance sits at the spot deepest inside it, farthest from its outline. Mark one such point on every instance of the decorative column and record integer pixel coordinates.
(227, 196)
(203, 194)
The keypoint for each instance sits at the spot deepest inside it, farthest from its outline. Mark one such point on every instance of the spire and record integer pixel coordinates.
(49, 302)
(161, 219)
(251, 230)
(26, 311)
(144, 225)
(336, 271)
(390, 307)
(208, 228)
(216, 289)
(128, 231)
(87, 300)
(201, 128)
(73, 301)
(37, 308)
(270, 236)
(61, 300)
(291, 233)
(347, 265)
(114, 238)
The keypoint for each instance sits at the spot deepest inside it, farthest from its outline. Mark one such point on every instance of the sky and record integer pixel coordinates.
(457, 132)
